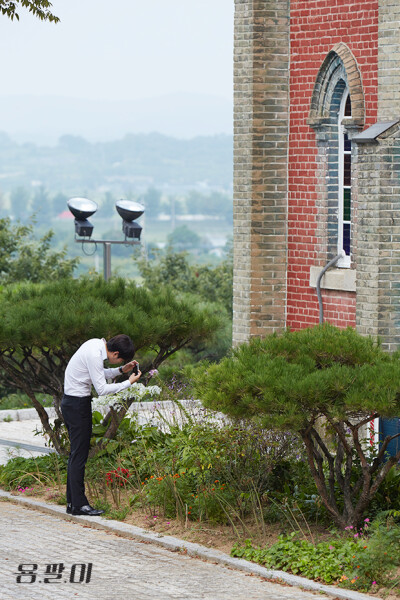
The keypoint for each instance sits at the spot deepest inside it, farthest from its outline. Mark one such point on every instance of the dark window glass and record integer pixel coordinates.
(347, 143)
(347, 170)
(346, 238)
(347, 108)
(346, 204)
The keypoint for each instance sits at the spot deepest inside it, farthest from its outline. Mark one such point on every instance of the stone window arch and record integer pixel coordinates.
(339, 65)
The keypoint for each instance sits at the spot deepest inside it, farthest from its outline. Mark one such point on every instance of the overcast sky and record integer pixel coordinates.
(120, 49)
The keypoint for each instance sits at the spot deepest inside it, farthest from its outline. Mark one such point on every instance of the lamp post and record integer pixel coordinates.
(82, 209)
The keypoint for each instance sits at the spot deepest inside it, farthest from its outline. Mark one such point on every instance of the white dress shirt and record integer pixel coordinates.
(86, 368)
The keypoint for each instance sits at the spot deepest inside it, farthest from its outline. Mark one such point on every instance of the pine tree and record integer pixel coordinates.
(326, 385)
(42, 325)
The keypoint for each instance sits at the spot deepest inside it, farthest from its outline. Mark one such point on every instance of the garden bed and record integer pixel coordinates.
(226, 485)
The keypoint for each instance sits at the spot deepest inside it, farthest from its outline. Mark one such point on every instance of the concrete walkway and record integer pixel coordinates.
(39, 552)
(17, 438)
(40, 540)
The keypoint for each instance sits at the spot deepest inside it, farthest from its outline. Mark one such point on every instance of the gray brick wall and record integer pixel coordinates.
(261, 89)
(378, 192)
(242, 152)
(378, 238)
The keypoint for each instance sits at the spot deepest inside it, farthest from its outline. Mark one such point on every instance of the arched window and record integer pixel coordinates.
(344, 182)
(336, 115)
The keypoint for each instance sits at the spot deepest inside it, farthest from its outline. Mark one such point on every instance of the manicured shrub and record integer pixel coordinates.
(323, 384)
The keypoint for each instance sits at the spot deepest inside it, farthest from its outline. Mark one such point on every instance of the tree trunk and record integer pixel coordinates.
(53, 435)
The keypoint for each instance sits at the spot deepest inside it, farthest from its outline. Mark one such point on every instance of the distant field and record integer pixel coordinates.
(156, 232)
(216, 230)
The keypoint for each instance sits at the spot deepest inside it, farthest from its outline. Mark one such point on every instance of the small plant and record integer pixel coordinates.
(361, 559)
(62, 499)
(136, 393)
(118, 477)
(115, 480)
(378, 555)
(26, 489)
(118, 514)
(324, 561)
(102, 505)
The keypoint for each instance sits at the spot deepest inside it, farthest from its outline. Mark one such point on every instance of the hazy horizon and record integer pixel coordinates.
(44, 119)
(130, 68)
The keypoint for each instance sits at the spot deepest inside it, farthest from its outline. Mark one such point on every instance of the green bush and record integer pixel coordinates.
(198, 468)
(323, 384)
(378, 556)
(18, 400)
(50, 469)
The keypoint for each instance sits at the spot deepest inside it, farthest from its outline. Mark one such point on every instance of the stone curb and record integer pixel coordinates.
(23, 414)
(195, 550)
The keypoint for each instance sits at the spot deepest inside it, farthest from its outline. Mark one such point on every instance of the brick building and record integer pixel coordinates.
(317, 165)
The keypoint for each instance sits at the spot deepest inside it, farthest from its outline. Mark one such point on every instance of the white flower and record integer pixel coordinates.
(136, 391)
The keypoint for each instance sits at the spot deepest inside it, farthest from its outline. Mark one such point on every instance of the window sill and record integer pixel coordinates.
(334, 279)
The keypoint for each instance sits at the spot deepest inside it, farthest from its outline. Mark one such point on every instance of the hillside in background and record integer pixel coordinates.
(43, 119)
(129, 165)
(185, 185)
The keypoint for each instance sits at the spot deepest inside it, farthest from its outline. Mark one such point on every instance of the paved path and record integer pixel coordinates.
(17, 438)
(122, 568)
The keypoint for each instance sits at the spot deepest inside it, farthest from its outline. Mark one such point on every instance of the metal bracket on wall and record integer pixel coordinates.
(330, 264)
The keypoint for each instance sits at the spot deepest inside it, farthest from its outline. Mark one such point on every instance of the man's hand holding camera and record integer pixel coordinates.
(134, 367)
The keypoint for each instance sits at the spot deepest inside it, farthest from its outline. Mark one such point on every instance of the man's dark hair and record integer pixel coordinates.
(123, 345)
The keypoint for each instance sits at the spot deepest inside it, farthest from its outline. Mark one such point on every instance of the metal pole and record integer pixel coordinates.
(107, 260)
(106, 251)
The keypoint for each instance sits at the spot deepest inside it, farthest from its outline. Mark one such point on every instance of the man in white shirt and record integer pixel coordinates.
(85, 369)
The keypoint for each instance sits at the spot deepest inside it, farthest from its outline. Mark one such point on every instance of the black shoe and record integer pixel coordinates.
(69, 508)
(87, 510)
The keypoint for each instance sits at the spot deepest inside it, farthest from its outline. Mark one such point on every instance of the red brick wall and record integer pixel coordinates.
(315, 27)
(339, 308)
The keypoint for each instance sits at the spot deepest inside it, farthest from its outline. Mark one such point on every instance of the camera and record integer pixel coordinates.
(136, 369)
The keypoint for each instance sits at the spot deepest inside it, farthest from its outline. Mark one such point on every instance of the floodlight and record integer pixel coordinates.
(129, 211)
(82, 208)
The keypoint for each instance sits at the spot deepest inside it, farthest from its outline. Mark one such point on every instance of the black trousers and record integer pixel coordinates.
(77, 413)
